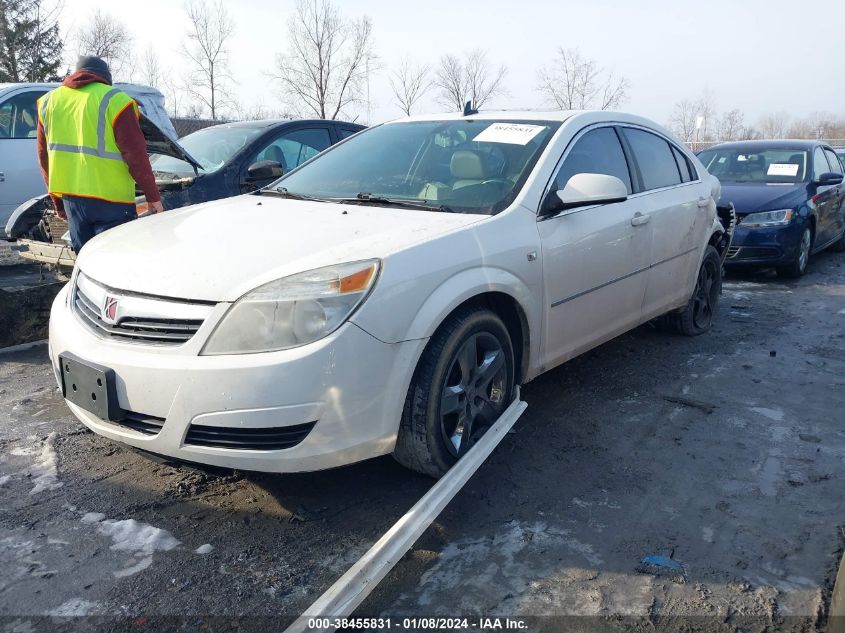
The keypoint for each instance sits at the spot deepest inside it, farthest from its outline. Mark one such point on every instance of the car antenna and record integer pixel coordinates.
(468, 109)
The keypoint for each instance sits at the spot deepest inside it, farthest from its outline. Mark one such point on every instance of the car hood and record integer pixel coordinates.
(220, 250)
(155, 124)
(753, 197)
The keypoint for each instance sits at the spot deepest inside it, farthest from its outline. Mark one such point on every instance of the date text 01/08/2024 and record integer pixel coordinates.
(419, 624)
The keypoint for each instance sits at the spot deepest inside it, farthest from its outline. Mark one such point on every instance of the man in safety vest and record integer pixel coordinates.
(92, 152)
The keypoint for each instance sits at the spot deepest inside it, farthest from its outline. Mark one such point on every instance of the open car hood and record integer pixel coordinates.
(155, 124)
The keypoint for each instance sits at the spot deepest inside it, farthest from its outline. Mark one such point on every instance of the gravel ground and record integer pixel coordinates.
(9, 257)
(724, 453)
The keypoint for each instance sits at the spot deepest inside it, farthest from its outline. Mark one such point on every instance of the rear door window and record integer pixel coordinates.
(688, 173)
(654, 158)
(820, 165)
(835, 165)
(597, 152)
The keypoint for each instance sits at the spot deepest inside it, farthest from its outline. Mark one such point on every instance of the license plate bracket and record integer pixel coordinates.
(90, 386)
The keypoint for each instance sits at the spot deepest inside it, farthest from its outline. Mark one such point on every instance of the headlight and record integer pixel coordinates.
(767, 218)
(294, 310)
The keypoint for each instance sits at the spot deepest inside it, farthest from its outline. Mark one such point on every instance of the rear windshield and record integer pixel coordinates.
(768, 165)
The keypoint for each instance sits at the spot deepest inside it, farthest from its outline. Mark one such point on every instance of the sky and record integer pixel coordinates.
(759, 56)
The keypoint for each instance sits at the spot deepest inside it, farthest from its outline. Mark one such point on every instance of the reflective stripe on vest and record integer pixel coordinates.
(78, 123)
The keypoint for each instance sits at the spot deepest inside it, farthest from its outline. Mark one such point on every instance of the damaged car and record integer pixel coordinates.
(402, 285)
(789, 201)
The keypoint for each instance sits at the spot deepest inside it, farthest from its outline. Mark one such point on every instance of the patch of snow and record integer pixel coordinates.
(5, 479)
(141, 538)
(504, 565)
(44, 470)
(93, 517)
(204, 549)
(772, 414)
(134, 569)
(74, 607)
(707, 534)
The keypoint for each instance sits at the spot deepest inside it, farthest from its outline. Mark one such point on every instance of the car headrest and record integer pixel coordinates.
(467, 165)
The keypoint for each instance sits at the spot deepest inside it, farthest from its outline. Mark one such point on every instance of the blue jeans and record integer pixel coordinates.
(88, 217)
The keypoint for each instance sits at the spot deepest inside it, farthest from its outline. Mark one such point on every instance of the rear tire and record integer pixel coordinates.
(462, 384)
(697, 316)
(799, 265)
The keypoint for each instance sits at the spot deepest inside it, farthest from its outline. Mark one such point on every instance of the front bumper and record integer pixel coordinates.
(775, 246)
(351, 384)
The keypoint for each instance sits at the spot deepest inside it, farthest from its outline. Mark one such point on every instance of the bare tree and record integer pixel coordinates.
(150, 66)
(471, 79)
(695, 121)
(107, 37)
(731, 126)
(683, 119)
(409, 83)
(207, 50)
(575, 82)
(326, 68)
(774, 125)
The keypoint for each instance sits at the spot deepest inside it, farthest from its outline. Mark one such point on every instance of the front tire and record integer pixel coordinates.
(462, 384)
(697, 316)
(799, 265)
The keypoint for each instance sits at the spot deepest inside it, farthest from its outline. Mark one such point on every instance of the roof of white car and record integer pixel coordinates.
(588, 116)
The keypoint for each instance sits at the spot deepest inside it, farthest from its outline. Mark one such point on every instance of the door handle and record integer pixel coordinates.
(703, 202)
(639, 219)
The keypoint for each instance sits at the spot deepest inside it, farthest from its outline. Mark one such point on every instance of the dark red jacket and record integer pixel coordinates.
(127, 134)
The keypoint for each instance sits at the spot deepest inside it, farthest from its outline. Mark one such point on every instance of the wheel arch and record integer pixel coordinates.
(499, 291)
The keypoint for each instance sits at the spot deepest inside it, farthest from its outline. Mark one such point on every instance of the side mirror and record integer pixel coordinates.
(264, 170)
(829, 178)
(585, 190)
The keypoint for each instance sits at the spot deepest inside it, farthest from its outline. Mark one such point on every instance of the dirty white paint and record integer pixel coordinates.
(772, 414)
(204, 549)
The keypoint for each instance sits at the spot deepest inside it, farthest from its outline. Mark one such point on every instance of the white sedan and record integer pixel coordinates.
(388, 295)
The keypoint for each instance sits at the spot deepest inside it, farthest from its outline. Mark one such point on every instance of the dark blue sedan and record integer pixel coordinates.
(240, 157)
(789, 199)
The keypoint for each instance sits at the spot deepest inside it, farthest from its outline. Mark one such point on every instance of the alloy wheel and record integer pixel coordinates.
(473, 394)
(804, 250)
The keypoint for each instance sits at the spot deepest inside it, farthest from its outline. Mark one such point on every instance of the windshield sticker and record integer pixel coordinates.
(783, 169)
(512, 133)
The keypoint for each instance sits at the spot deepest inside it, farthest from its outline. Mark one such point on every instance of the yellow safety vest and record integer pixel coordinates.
(83, 155)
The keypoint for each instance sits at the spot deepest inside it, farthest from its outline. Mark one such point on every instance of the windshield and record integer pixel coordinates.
(213, 147)
(468, 166)
(768, 165)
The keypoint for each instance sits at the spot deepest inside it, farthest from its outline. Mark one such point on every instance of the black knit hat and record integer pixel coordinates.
(96, 65)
